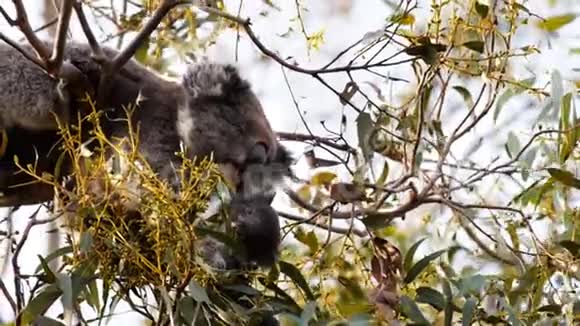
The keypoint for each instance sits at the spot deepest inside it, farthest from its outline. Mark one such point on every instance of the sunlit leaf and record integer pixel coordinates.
(315, 40)
(308, 238)
(403, 19)
(323, 178)
(554, 23)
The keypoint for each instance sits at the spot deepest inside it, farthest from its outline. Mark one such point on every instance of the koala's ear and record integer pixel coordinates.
(212, 80)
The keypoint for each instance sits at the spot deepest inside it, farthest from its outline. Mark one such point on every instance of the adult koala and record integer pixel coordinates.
(212, 111)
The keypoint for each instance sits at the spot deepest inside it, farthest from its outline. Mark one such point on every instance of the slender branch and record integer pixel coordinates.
(149, 27)
(7, 17)
(8, 297)
(24, 25)
(22, 51)
(335, 229)
(413, 203)
(316, 139)
(98, 53)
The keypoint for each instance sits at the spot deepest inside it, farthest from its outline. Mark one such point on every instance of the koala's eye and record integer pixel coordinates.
(258, 154)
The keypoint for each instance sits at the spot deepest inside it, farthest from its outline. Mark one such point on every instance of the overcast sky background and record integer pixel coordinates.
(316, 102)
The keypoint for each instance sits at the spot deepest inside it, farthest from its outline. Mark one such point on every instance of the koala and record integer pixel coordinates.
(32, 99)
(257, 231)
(211, 110)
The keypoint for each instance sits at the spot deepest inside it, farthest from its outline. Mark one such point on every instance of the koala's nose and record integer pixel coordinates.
(258, 154)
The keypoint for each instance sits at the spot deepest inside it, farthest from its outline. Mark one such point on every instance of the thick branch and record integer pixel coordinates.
(149, 27)
(56, 59)
(24, 25)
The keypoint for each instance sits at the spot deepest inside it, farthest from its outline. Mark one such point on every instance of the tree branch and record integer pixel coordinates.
(335, 229)
(55, 61)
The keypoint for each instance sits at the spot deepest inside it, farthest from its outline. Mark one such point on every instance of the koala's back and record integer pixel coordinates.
(28, 95)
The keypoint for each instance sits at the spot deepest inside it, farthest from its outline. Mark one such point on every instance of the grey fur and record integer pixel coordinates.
(257, 231)
(30, 97)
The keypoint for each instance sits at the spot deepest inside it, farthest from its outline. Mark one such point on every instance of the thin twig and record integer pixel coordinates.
(334, 229)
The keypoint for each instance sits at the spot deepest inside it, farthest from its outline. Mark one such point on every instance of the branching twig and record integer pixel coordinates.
(334, 229)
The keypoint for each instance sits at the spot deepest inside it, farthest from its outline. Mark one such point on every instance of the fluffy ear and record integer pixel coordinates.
(206, 79)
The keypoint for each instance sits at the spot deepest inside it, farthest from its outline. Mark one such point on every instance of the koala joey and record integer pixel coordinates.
(31, 98)
(257, 233)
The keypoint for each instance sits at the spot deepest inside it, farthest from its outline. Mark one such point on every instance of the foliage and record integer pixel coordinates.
(348, 256)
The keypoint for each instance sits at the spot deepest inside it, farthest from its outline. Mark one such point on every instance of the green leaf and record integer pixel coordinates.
(49, 276)
(476, 46)
(555, 309)
(467, 98)
(421, 265)
(509, 93)
(53, 255)
(296, 276)
(364, 125)
(92, 295)
(472, 284)
(564, 177)
(198, 293)
(431, 297)
(410, 309)
(308, 312)
(481, 9)
(186, 308)
(513, 145)
(404, 18)
(468, 311)
(308, 238)
(567, 139)
(554, 23)
(69, 294)
(323, 178)
(410, 253)
(40, 304)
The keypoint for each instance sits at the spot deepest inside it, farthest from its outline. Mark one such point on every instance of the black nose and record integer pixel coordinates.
(258, 154)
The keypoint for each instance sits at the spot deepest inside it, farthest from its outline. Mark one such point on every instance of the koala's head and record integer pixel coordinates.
(257, 227)
(221, 116)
